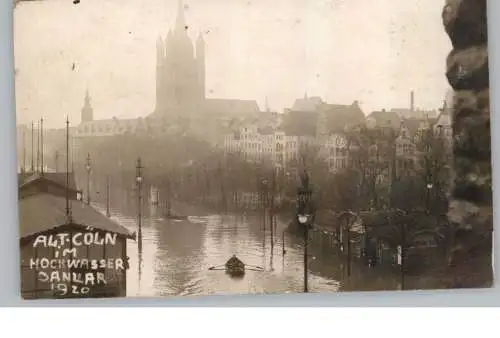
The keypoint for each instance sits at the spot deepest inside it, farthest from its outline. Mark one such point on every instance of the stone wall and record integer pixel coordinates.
(467, 72)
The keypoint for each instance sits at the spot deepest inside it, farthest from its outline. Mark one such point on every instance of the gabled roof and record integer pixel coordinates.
(385, 118)
(444, 116)
(338, 116)
(42, 212)
(309, 104)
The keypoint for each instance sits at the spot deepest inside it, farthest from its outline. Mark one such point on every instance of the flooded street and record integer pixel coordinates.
(177, 256)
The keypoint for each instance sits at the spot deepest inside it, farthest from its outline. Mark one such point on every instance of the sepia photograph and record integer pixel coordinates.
(226, 147)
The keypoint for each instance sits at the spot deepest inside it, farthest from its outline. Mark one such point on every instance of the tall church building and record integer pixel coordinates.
(180, 71)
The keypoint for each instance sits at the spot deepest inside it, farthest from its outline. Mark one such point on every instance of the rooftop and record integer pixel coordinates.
(59, 178)
(43, 212)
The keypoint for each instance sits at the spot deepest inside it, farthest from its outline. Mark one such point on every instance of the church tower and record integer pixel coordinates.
(180, 72)
(87, 111)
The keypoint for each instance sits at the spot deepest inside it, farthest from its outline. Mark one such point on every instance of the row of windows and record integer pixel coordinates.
(338, 151)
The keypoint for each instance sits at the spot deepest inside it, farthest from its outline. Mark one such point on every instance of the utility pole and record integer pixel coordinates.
(304, 217)
(32, 147)
(68, 207)
(24, 152)
(38, 148)
(271, 208)
(41, 145)
(108, 214)
(138, 179)
(88, 167)
(56, 156)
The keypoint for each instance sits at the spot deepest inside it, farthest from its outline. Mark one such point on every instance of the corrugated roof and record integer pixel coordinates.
(42, 212)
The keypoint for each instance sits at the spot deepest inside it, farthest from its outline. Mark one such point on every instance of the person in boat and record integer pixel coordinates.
(234, 263)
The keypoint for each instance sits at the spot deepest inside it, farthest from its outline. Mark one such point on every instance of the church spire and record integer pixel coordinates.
(87, 111)
(180, 22)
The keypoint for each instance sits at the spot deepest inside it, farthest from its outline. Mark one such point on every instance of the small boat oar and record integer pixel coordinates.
(258, 268)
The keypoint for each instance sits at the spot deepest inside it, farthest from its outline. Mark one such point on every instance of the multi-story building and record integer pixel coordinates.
(263, 145)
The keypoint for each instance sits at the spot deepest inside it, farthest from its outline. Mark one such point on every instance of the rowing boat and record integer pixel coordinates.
(235, 267)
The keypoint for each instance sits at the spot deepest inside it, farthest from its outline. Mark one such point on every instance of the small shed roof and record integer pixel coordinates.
(43, 212)
(59, 178)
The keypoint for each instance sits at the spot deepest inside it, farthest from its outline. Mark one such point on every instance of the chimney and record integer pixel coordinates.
(412, 101)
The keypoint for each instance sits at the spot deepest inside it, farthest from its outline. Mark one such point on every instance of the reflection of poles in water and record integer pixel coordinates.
(283, 252)
(265, 201)
(168, 206)
(222, 190)
(272, 256)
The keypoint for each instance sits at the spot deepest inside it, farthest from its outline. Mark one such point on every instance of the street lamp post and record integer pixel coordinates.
(138, 179)
(56, 157)
(89, 168)
(264, 202)
(304, 217)
(108, 213)
(428, 197)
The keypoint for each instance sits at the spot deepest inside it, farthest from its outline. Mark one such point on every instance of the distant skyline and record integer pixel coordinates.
(375, 52)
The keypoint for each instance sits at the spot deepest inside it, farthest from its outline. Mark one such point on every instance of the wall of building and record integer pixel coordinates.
(33, 287)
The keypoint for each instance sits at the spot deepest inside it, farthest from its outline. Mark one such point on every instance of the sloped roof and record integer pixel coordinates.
(231, 107)
(307, 104)
(386, 118)
(58, 178)
(42, 212)
(444, 116)
(338, 117)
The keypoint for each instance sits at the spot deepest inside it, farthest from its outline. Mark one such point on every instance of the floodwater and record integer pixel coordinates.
(176, 256)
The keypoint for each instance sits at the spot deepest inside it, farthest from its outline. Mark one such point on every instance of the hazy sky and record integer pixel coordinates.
(373, 51)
